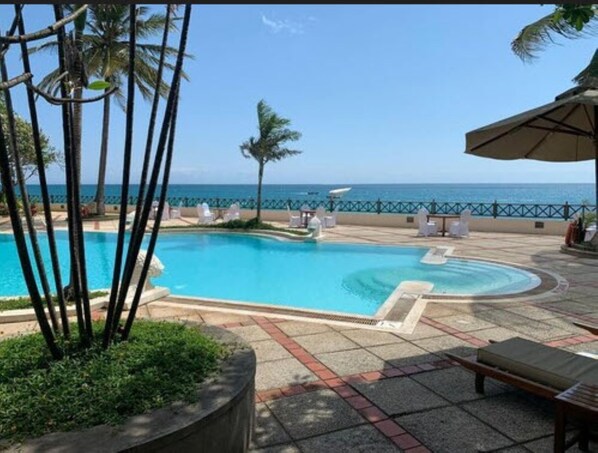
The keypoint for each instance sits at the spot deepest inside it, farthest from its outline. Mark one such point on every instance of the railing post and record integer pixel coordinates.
(433, 207)
(566, 210)
(495, 209)
(331, 204)
(583, 211)
(378, 206)
(217, 202)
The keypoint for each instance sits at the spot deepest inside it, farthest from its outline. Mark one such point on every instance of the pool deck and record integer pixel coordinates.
(328, 388)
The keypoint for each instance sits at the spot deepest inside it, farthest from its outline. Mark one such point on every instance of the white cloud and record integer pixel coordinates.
(278, 25)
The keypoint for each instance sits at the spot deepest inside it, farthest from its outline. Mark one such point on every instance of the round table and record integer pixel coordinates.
(443, 217)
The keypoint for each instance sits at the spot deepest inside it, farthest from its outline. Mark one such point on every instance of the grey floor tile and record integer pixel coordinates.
(446, 343)
(314, 413)
(450, 429)
(367, 337)
(403, 354)
(360, 439)
(282, 373)
(325, 342)
(295, 328)
(267, 350)
(286, 448)
(513, 415)
(268, 430)
(456, 385)
(251, 333)
(400, 395)
(356, 361)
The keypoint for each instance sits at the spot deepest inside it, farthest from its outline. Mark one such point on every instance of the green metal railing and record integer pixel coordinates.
(564, 211)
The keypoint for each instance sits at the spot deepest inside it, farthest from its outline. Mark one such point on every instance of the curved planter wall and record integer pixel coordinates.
(221, 420)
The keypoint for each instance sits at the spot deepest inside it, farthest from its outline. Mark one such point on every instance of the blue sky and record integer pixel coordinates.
(381, 94)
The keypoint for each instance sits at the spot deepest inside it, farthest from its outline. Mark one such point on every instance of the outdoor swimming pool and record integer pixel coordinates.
(348, 278)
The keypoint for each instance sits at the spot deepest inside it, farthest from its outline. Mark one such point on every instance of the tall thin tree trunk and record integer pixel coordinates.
(259, 192)
(99, 199)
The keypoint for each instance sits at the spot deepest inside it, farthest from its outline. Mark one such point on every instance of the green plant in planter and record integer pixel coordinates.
(68, 95)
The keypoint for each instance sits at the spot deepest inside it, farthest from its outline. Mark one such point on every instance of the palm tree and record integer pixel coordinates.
(103, 44)
(268, 147)
(570, 21)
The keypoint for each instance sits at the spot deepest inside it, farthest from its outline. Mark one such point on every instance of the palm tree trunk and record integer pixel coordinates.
(99, 199)
(259, 192)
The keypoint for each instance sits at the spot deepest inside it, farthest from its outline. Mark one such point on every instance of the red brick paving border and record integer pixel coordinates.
(345, 388)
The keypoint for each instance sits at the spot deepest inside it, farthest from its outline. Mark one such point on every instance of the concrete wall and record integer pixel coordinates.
(485, 224)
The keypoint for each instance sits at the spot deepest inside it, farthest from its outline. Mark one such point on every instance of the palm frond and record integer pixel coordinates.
(589, 75)
(536, 36)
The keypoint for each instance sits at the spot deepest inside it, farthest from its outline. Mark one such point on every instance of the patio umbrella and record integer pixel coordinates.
(565, 130)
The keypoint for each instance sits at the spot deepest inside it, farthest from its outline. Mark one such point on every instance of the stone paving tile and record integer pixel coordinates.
(547, 443)
(282, 373)
(286, 448)
(403, 354)
(439, 310)
(591, 346)
(356, 361)
(446, 343)
(499, 334)
(531, 312)
(267, 430)
(450, 429)
(366, 337)
(314, 413)
(325, 342)
(222, 318)
(466, 323)
(400, 395)
(514, 416)
(542, 331)
(251, 333)
(362, 439)
(422, 331)
(295, 328)
(457, 385)
(267, 350)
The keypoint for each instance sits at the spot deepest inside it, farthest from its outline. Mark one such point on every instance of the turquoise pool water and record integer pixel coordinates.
(350, 278)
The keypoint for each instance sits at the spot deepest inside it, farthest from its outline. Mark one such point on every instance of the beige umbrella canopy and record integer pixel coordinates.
(565, 130)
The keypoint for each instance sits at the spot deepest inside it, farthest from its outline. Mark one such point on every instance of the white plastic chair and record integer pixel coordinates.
(166, 211)
(460, 228)
(233, 213)
(152, 214)
(175, 213)
(294, 220)
(330, 220)
(131, 217)
(426, 228)
(204, 215)
(321, 215)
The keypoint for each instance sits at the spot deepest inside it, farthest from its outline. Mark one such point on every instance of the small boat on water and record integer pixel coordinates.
(312, 193)
(337, 193)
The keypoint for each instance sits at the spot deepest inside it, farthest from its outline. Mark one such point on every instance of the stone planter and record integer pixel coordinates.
(221, 420)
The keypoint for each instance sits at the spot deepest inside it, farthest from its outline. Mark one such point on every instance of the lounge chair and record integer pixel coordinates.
(460, 228)
(204, 215)
(233, 213)
(175, 213)
(533, 367)
(294, 220)
(330, 220)
(426, 228)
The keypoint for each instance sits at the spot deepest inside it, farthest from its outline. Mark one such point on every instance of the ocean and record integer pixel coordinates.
(481, 193)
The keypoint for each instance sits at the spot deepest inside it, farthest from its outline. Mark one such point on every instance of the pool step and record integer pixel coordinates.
(403, 308)
(437, 255)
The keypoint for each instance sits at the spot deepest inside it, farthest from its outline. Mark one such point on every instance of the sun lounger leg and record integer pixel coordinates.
(584, 438)
(479, 382)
